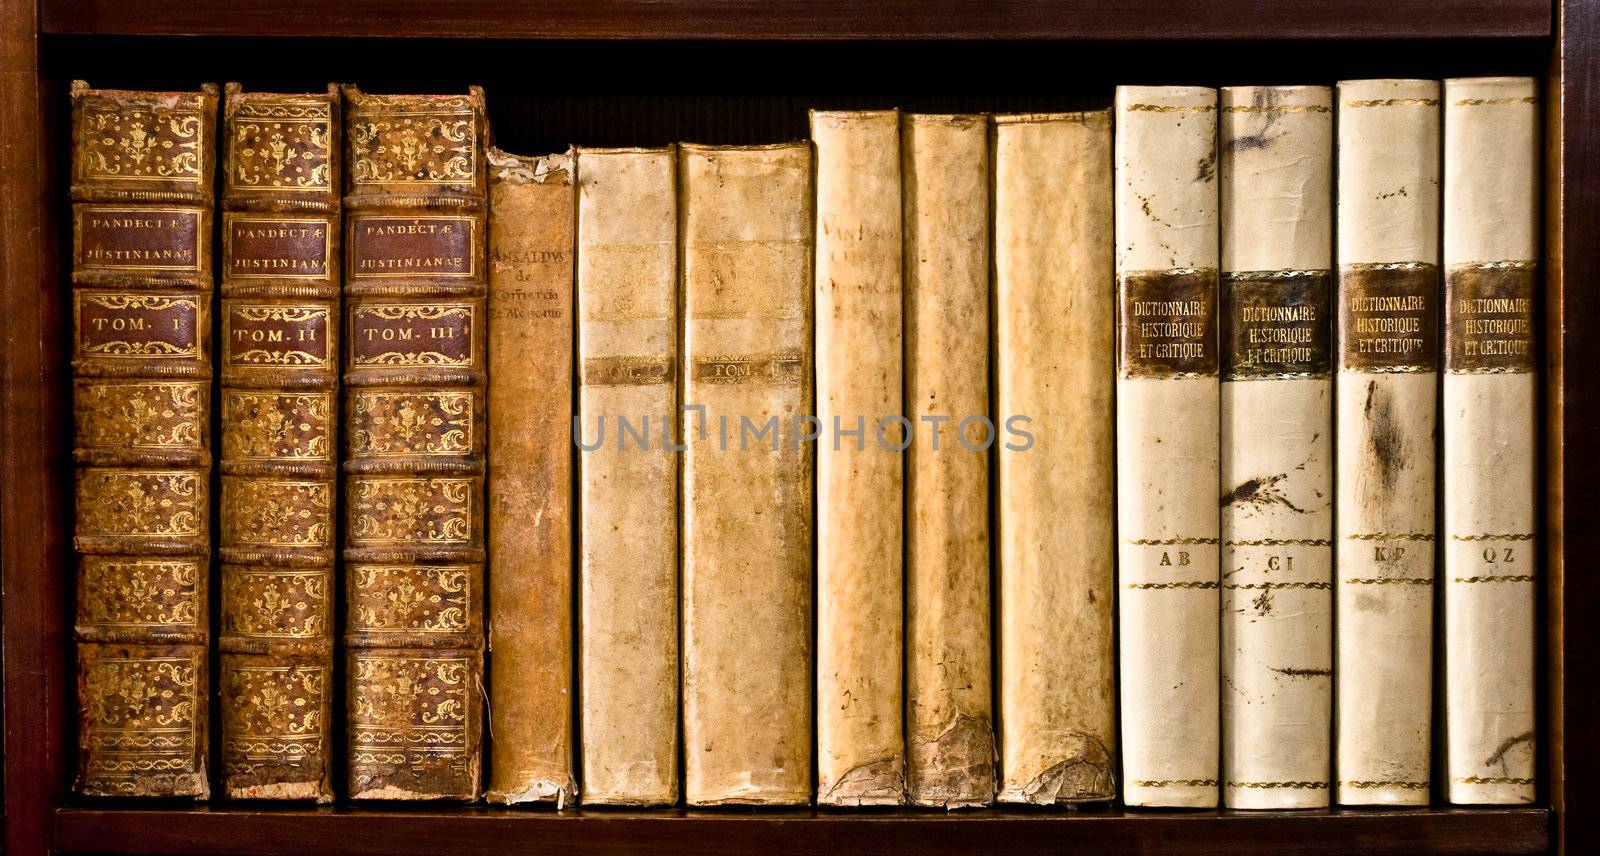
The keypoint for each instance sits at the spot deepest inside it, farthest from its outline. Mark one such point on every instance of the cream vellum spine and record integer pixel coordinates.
(628, 482)
(1167, 443)
(1055, 347)
(860, 496)
(949, 718)
(1277, 446)
(1490, 427)
(1386, 401)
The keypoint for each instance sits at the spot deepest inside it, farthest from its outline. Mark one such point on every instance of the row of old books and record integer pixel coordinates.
(939, 460)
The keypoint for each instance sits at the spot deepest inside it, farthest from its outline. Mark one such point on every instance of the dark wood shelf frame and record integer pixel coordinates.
(43, 41)
(809, 19)
(500, 832)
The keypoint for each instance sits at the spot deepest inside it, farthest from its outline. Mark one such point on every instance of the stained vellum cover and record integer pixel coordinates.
(1277, 445)
(1491, 248)
(1386, 388)
(860, 489)
(745, 227)
(530, 479)
(1055, 337)
(949, 717)
(1167, 443)
(628, 482)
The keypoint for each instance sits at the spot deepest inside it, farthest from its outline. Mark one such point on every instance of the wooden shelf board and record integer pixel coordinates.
(808, 19)
(468, 831)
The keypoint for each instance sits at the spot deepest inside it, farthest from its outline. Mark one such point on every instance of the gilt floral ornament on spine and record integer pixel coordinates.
(432, 147)
(156, 143)
(282, 146)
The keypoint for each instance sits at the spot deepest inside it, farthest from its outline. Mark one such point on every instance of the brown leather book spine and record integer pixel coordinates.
(415, 281)
(279, 361)
(142, 194)
(530, 487)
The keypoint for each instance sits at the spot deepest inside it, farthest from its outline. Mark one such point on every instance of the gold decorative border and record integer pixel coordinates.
(1393, 102)
(328, 225)
(200, 237)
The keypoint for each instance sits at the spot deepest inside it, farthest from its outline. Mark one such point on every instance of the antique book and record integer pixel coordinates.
(746, 241)
(414, 438)
(1490, 427)
(1386, 400)
(530, 478)
(1277, 445)
(1167, 443)
(628, 482)
(860, 742)
(1055, 349)
(949, 722)
(143, 197)
(279, 361)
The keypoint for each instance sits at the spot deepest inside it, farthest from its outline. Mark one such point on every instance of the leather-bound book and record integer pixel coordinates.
(279, 360)
(1387, 391)
(1055, 352)
(628, 482)
(746, 242)
(415, 279)
(143, 198)
(1167, 443)
(530, 479)
(950, 749)
(1277, 445)
(1491, 428)
(860, 496)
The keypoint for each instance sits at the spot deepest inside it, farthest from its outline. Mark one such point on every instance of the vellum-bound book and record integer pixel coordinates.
(529, 486)
(1167, 442)
(746, 242)
(279, 362)
(1055, 342)
(860, 741)
(1387, 389)
(628, 483)
(949, 721)
(1277, 445)
(1491, 248)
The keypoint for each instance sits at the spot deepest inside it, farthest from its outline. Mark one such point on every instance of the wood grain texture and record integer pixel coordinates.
(495, 832)
(1571, 407)
(35, 474)
(795, 19)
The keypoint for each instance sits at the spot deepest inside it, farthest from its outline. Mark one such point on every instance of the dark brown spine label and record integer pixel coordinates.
(138, 239)
(1489, 318)
(387, 247)
(1277, 324)
(414, 334)
(1168, 323)
(276, 335)
(278, 247)
(137, 326)
(1389, 317)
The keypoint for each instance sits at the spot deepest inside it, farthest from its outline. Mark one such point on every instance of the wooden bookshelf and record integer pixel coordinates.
(740, 71)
